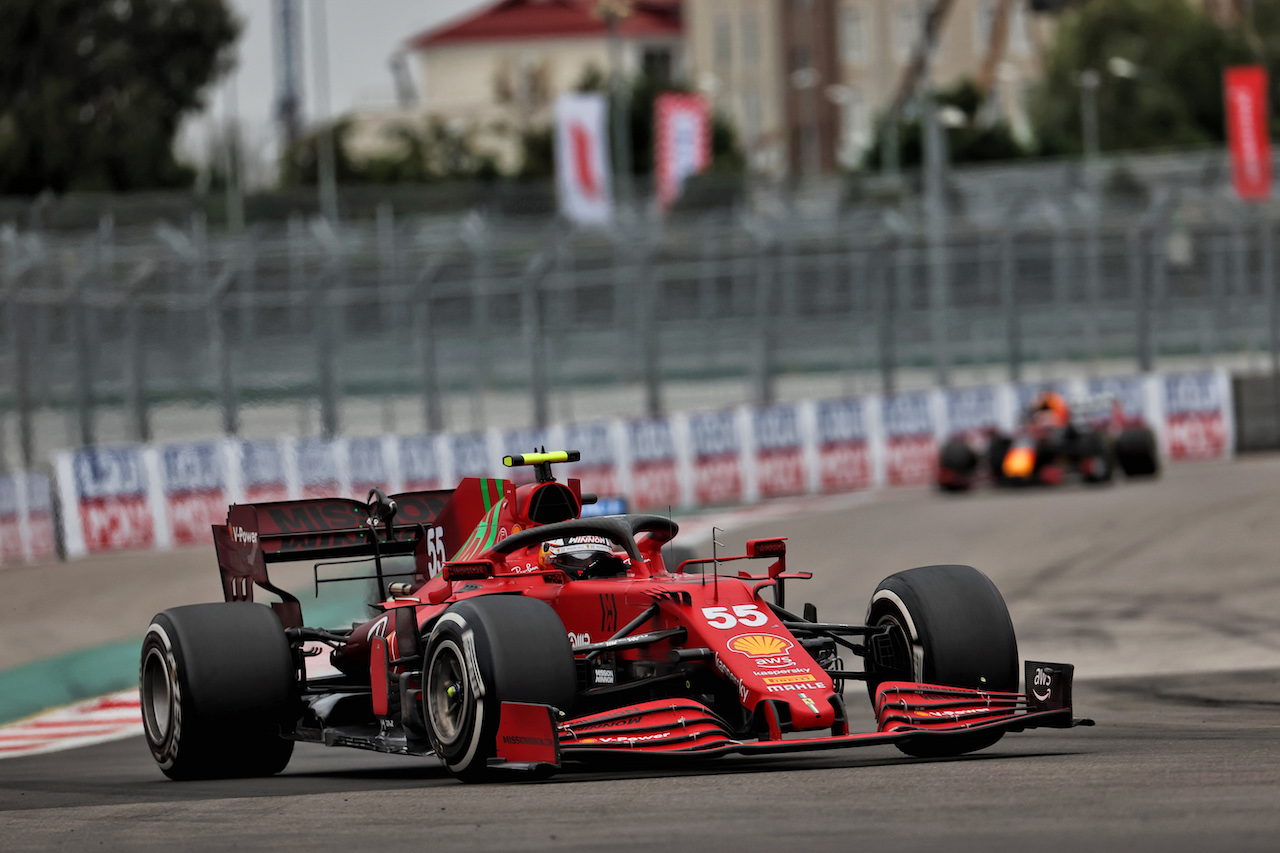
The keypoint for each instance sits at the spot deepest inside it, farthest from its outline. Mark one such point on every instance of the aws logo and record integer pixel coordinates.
(1042, 679)
(765, 649)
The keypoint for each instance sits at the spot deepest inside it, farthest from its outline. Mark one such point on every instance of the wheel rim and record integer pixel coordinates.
(447, 693)
(157, 696)
(893, 659)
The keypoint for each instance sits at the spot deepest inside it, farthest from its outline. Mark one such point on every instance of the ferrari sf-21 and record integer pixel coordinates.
(525, 638)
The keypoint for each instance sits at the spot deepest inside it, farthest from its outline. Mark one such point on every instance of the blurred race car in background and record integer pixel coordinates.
(526, 637)
(1053, 444)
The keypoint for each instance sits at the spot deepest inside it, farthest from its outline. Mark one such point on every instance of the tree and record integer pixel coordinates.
(972, 140)
(417, 153)
(92, 94)
(1173, 53)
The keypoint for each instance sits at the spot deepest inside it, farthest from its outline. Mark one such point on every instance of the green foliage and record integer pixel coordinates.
(92, 93)
(539, 156)
(974, 141)
(431, 151)
(436, 150)
(1175, 99)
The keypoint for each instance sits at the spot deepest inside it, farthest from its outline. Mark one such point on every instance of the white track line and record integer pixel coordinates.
(105, 718)
(98, 720)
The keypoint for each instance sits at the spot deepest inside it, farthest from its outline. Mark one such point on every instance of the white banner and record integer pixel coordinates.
(582, 158)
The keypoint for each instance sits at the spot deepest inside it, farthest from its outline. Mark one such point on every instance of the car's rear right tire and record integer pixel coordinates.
(957, 464)
(218, 691)
(1136, 453)
(946, 625)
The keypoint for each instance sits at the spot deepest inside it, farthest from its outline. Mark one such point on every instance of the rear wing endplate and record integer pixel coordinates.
(429, 525)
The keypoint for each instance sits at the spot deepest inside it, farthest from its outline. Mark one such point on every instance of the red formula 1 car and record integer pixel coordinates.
(549, 638)
(1053, 444)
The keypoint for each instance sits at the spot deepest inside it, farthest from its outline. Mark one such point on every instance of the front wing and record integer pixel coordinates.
(905, 711)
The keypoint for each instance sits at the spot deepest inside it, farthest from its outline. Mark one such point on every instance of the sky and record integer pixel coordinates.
(362, 35)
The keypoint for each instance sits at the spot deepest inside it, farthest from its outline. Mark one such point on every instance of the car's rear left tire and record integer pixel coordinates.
(218, 691)
(483, 652)
(946, 625)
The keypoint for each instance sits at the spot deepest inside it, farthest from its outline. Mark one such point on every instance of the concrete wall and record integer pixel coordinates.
(1257, 411)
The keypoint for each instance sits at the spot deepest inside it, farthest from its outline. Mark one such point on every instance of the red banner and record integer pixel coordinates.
(683, 142)
(1247, 130)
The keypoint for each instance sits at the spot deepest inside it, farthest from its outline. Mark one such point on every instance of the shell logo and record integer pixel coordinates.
(759, 645)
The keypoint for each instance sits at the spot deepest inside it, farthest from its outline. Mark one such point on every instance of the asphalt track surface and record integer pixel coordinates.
(1166, 595)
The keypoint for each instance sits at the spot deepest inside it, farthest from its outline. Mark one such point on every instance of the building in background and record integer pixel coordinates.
(805, 80)
(498, 71)
(734, 55)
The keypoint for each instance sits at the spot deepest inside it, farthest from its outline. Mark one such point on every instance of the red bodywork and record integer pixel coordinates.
(730, 633)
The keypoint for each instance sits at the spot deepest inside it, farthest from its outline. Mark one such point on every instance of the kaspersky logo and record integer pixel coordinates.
(764, 649)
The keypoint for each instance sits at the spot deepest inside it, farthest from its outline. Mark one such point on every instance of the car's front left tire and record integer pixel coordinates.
(482, 652)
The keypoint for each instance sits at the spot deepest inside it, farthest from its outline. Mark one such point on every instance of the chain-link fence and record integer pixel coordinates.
(402, 324)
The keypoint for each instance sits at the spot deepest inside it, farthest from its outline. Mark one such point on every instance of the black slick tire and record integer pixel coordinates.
(218, 691)
(997, 449)
(1094, 450)
(947, 625)
(482, 652)
(957, 463)
(1136, 453)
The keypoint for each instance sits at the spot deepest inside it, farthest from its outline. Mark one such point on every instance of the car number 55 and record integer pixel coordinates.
(744, 614)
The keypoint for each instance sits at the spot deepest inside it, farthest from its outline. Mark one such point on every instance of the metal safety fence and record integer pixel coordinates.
(465, 322)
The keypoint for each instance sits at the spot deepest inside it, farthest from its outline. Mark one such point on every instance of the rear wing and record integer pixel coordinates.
(429, 525)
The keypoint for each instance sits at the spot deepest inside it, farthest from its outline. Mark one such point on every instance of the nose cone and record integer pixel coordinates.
(1019, 462)
(811, 710)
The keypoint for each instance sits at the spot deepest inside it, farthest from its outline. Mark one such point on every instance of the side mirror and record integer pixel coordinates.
(767, 547)
(470, 571)
(770, 548)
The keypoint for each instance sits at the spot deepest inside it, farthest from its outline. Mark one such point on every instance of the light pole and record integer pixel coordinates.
(326, 179)
(614, 11)
(232, 156)
(1090, 80)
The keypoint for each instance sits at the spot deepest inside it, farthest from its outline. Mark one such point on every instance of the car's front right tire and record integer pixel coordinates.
(945, 625)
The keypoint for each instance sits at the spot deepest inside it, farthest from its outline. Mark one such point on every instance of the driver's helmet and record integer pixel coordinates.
(1050, 408)
(583, 556)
